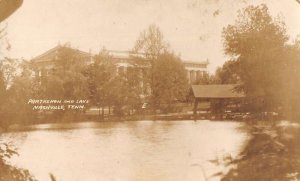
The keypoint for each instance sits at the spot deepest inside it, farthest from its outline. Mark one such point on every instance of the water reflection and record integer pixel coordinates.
(141, 150)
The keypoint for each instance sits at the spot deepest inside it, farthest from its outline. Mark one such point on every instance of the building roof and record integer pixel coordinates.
(193, 63)
(216, 91)
(124, 54)
(50, 55)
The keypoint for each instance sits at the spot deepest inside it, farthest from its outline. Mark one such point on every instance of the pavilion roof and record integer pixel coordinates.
(216, 91)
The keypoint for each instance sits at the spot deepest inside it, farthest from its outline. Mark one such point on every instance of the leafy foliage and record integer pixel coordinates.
(227, 74)
(170, 81)
(8, 172)
(151, 43)
(166, 77)
(261, 60)
(67, 79)
(272, 153)
(110, 87)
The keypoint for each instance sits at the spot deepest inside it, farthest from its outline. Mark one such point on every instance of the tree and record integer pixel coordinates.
(160, 79)
(8, 73)
(101, 79)
(170, 81)
(9, 68)
(288, 94)
(109, 87)
(13, 109)
(134, 86)
(227, 74)
(20, 91)
(9, 172)
(151, 43)
(256, 45)
(206, 78)
(67, 80)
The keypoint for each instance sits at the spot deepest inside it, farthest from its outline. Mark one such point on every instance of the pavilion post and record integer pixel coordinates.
(196, 106)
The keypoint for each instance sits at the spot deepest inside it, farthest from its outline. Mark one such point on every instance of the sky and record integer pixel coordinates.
(193, 28)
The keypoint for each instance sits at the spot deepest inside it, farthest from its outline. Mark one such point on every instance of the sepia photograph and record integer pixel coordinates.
(149, 90)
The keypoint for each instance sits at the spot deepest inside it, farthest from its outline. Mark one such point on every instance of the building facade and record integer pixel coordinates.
(44, 63)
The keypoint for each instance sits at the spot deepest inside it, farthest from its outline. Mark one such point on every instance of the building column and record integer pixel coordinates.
(193, 74)
(199, 75)
(188, 76)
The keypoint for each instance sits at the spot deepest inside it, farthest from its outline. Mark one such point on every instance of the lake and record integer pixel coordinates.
(129, 150)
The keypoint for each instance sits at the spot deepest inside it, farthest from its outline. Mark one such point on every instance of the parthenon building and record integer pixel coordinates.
(44, 63)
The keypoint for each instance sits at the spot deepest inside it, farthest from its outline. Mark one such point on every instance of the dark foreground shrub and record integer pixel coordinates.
(9, 172)
(271, 154)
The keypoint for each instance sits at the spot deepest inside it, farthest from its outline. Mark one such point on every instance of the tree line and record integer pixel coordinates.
(263, 61)
(158, 77)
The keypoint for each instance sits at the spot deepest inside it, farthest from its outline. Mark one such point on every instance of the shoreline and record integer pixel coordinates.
(242, 117)
(88, 124)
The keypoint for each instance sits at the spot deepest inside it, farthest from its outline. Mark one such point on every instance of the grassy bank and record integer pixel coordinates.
(272, 153)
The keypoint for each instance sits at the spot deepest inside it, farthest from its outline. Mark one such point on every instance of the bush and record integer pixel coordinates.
(9, 172)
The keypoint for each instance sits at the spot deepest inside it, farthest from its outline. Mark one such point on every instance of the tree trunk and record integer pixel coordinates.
(99, 113)
(102, 113)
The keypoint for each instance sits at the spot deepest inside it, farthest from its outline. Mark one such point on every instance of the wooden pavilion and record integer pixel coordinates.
(220, 92)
